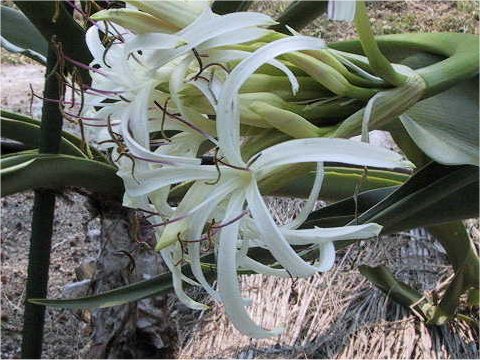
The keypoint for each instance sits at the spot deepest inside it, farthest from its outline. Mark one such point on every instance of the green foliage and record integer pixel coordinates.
(434, 195)
(20, 36)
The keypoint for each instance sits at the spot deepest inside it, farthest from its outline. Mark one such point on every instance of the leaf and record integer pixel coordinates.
(59, 171)
(458, 55)
(20, 36)
(445, 126)
(435, 194)
(339, 182)
(52, 18)
(28, 134)
(225, 7)
(25, 129)
(157, 285)
(299, 14)
(400, 292)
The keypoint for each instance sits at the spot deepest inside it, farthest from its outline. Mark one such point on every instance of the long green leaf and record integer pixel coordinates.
(400, 292)
(435, 194)
(445, 126)
(51, 18)
(59, 171)
(20, 36)
(26, 130)
(230, 6)
(299, 14)
(157, 285)
(28, 134)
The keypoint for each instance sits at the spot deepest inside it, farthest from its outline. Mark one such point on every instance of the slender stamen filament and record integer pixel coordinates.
(190, 125)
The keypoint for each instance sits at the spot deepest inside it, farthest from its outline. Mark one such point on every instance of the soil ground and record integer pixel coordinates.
(313, 332)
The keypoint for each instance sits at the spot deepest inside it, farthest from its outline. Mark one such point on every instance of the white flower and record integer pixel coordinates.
(237, 191)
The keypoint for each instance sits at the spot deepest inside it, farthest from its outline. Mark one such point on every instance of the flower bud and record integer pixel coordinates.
(176, 13)
(136, 21)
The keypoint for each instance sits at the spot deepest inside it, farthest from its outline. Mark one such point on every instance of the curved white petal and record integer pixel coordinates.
(167, 255)
(235, 37)
(326, 149)
(312, 198)
(150, 41)
(227, 275)
(273, 237)
(228, 117)
(326, 258)
(151, 180)
(248, 263)
(95, 45)
(324, 235)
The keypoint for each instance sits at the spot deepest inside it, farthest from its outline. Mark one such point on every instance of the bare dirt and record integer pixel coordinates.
(337, 314)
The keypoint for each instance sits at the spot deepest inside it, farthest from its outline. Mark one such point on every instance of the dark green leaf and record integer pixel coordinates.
(27, 130)
(435, 194)
(51, 18)
(28, 134)
(19, 35)
(59, 171)
(445, 126)
(157, 285)
(400, 292)
(299, 14)
(230, 6)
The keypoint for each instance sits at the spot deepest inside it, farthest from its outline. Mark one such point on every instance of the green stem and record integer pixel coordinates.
(379, 63)
(42, 220)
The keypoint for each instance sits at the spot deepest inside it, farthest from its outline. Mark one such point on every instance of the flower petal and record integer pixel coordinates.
(273, 238)
(324, 235)
(228, 116)
(227, 275)
(312, 198)
(323, 150)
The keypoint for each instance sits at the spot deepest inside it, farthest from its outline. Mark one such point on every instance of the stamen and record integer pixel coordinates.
(230, 222)
(190, 125)
(164, 115)
(83, 66)
(216, 167)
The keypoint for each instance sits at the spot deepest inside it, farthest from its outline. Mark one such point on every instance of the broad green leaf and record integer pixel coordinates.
(299, 14)
(157, 285)
(27, 130)
(230, 6)
(20, 36)
(59, 171)
(435, 194)
(28, 134)
(10, 160)
(445, 126)
(458, 55)
(51, 18)
(340, 182)
(400, 292)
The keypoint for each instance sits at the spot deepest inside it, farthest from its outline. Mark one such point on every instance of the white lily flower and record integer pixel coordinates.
(235, 182)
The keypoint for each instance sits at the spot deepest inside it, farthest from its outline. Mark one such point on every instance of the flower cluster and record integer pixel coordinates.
(175, 85)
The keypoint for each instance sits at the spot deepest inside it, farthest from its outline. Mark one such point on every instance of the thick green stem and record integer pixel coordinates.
(378, 62)
(42, 221)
